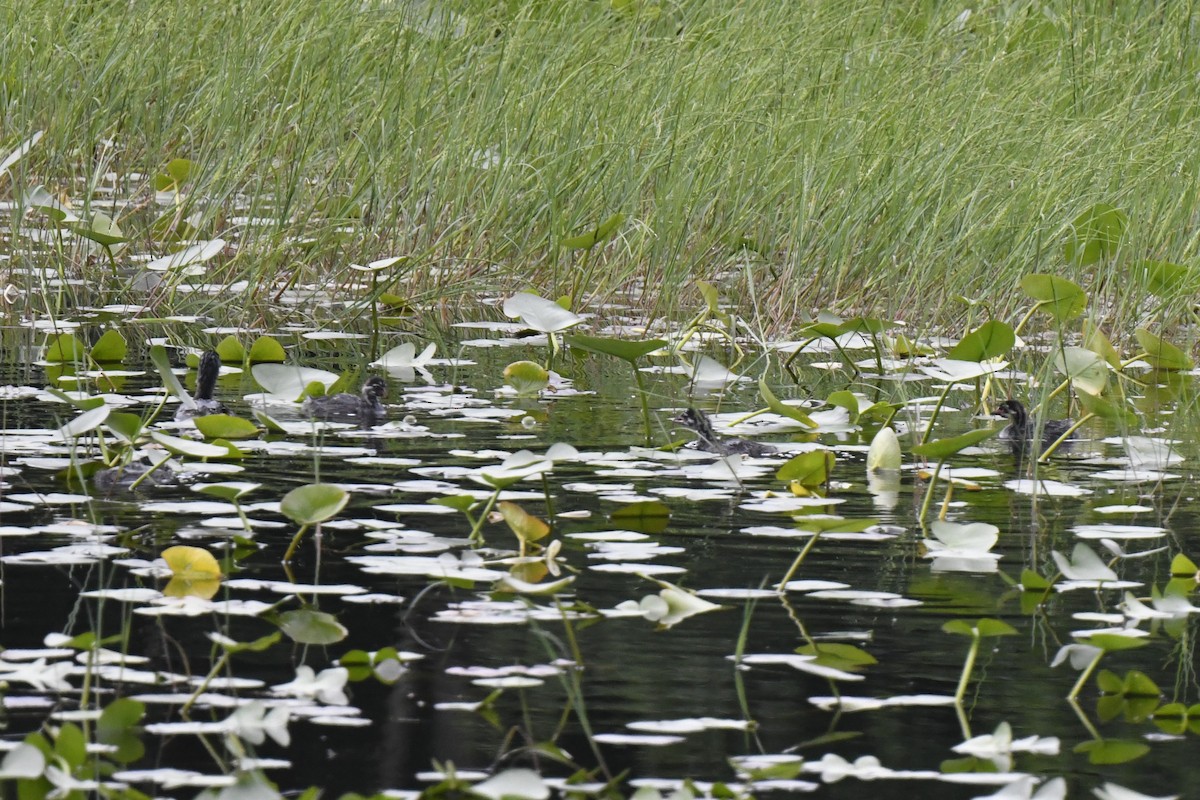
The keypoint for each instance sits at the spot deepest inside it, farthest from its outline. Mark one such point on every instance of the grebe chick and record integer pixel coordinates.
(708, 440)
(206, 381)
(365, 407)
(1022, 429)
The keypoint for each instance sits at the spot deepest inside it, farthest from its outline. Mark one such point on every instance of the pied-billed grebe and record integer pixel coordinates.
(203, 403)
(1021, 429)
(364, 407)
(708, 440)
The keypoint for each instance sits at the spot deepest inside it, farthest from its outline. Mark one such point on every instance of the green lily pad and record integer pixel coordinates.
(648, 516)
(1086, 370)
(526, 526)
(1112, 751)
(64, 348)
(225, 426)
(984, 628)
(230, 350)
(1168, 280)
(1162, 354)
(1095, 234)
(775, 405)
(618, 348)
(101, 229)
(526, 377)
(308, 626)
(313, 503)
(110, 347)
(1059, 297)
(591, 238)
(809, 469)
(944, 448)
(266, 350)
(992, 339)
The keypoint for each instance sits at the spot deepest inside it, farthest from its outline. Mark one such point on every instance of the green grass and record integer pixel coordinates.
(881, 159)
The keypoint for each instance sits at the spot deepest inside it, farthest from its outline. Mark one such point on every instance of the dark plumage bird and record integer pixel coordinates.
(203, 403)
(1022, 429)
(708, 440)
(365, 407)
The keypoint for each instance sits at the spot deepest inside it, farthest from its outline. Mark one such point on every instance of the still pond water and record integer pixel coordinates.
(651, 705)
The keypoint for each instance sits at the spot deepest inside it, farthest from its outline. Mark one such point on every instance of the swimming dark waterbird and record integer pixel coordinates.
(708, 440)
(365, 407)
(203, 402)
(1022, 429)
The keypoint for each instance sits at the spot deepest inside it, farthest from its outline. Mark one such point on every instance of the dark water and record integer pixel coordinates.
(630, 671)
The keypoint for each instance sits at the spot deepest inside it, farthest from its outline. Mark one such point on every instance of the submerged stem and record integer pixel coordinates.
(1087, 673)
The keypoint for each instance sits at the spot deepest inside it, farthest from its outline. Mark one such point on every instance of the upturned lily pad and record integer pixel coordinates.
(629, 351)
(944, 448)
(992, 339)
(1095, 234)
(526, 377)
(1059, 297)
(539, 313)
(590, 238)
(313, 503)
(110, 347)
(191, 563)
(225, 426)
(1162, 354)
(266, 350)
(101, 229)
(288, 381)
(230, 350)
(1086, 370)
(85, 423)
(65, 348)
(526, 526)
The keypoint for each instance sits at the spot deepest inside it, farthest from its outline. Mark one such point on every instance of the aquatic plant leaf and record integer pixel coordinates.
(85, 423)
(809, 469)
(1162, 354)
(289, 381)
(1168, 280)
(177, 172)
(618, 348)
(25, 761)
(1095, 340)
(188, 447)
(590, 238)
(1095, 234)
(230, 350)
(673, 605)
(952, 370)
(228, 490)
(513, 784)
(903, 347)
(511, 583)
(256, 646)
(539, 313)
(162, 363)
(526, 377)
(110, 347)
(526, 526)
(191, 563)
(313, 503)
(1084, 565)
(775, 405)
(944, 448)
(846, 400)
(884, 452)
(1184, 567)
(65, 348)
(1086, 370)
(193, 254)
(1032, 582)
(983, 628)
(1112, 751)
(1106, 409)
(70, 745)
(1112, 642)
(838, 655)
(992, 339)
(309, 626)
(266, 350)
(974, 537)
(101, 229)
(124, 425)
(225, 426)
(459, 502)
(1059, 297)
(647, 516)
(22, 150)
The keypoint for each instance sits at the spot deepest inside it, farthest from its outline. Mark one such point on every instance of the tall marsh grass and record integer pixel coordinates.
(880, 157)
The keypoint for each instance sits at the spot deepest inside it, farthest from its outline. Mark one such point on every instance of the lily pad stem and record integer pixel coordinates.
(1083, 677)
(781, 586)
(287, 557)
(929, 492)
(936, 411)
